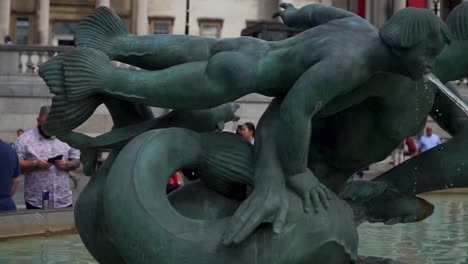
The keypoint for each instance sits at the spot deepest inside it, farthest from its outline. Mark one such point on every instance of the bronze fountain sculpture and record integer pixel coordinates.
(285, 201)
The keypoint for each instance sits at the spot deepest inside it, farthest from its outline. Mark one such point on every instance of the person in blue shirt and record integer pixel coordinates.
(9, 176)
(429, 140)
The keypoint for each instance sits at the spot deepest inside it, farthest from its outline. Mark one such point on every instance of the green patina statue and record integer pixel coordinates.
(321, 96)
(397, 108)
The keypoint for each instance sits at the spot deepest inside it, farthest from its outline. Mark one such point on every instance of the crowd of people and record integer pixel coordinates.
(46, 162)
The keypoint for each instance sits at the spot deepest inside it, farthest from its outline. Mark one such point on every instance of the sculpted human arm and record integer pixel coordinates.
(269, 201)
(311, 15)
(314, 89)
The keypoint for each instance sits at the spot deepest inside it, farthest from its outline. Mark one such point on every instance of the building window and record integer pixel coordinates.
(210, 28)
(64, 27)
(63, 32)
(161, 25)
(22, 31)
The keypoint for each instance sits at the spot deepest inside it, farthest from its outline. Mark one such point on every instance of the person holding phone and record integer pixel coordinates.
(46, 163)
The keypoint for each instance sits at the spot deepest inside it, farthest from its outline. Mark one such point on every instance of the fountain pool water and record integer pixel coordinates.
(62, 248)
(441, 239)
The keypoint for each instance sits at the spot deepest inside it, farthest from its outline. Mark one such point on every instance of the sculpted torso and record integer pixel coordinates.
(365, 133)
(276, 66)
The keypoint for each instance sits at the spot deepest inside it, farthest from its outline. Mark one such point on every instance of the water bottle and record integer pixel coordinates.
(45, 199)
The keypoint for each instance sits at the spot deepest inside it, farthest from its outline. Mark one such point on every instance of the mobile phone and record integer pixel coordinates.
(54, 159)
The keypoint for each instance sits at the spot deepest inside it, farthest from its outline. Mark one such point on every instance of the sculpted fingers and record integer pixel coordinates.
(254, 220)
(245, 224)
(327, 194)
(280, 219)
(323, 197)
(307, 202)
(315, 200)
(236, 223)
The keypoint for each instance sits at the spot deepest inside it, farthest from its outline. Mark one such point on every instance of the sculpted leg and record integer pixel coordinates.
(268, 202)
(105, 31)
(79, 80)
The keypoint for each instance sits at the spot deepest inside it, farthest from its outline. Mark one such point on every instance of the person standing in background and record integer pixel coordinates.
(7, 40)
(19, 132)
(398, 155)
(9, 176)
(239, 130)
(428, 141)
(46, 162)
(248, 132)
(411, 147)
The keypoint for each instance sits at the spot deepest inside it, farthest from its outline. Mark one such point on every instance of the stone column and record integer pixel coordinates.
(369, 13)
(4, 18)
(103, 3)
(398, 5)
(142, 17)
(43, 22)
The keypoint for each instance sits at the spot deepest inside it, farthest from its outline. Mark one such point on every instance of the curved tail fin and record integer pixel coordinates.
(227, 165)
(74, 78)
(99, 30)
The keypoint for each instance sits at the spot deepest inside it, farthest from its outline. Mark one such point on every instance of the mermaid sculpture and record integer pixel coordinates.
(124, 216)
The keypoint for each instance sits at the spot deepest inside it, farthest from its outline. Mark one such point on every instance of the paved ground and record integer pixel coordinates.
(375, 170)
(81, 180)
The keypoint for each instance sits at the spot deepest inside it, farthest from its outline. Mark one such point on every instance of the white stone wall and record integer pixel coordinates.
(234, 14)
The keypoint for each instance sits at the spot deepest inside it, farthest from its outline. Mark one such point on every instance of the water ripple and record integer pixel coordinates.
(440, 239)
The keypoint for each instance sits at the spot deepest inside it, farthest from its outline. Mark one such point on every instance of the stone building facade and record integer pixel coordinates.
(45, 23)
(51, 22)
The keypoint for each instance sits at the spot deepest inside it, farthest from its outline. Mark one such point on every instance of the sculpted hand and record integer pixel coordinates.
(287, 13)
(267, 203)
(311, 191)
